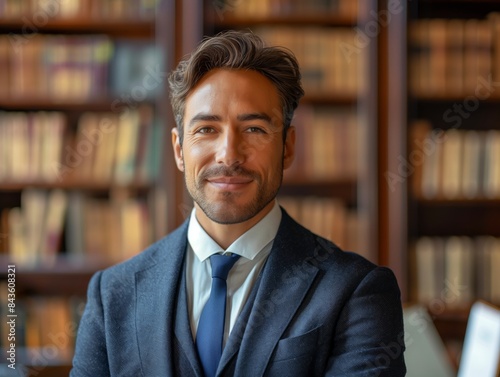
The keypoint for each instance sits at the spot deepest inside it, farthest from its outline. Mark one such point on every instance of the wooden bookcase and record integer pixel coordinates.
(395, 213)
(440, 217)
(60, 281)
(339, 83)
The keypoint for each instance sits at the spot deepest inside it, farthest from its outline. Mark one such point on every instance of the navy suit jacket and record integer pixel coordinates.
(314, 311)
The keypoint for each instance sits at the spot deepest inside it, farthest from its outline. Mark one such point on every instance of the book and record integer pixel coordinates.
(17, 243)
(451, 164)
(458, 270)
(491, 166)
(454, 62)
(136, 73)
(327, 145)
(431, 169)
(53, 228)
(494, 20)
(437, 56)
(267, 8)
(454, 164)
(330, 65)
(471, 169)
(327, 217)
(421, 146)
(112, 148)
(448, 56)
(455, 270)
(126, 147)
(105, 150)
(427, 284)
(31, 145)
(34, 208)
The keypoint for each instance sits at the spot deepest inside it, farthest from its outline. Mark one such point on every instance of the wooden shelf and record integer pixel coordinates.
(109, 103)
(63, 278)
(429, 98)
(450, 2)
(85, 25)
(74, 185)
(454, 8)
(460, 202)
(458, 217)
(344, 189)
(226, 20)
(52, 371)
(329, 99)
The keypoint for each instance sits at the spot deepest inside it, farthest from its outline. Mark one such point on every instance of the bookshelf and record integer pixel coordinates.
(333, 175)
(452, 154)
(390, 90)
(84, 176)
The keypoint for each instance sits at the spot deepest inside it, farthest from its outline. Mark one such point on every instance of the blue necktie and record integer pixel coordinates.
(211, 326)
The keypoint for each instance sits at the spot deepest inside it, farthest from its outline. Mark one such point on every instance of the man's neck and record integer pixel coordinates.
(226, 234)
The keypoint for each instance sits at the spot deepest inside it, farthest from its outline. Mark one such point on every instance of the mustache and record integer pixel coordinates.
(227, 171)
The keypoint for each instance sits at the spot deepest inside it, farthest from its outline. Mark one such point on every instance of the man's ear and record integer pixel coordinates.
(289, 152)
(176, 143)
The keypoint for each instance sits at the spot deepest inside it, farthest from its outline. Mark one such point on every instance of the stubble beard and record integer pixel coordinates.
(227, 211)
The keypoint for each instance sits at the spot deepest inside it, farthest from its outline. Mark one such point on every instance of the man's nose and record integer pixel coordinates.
(230, 149)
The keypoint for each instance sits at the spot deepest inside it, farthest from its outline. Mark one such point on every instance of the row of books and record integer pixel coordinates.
(457, 270)
(107, 231)
(34, 230)
(266, 8)
(123, 148)
(330, 60)
(41, 10)
(330, 218)
(79, 67)
(30, 143)
(327, 144)
(453, 164)
(101, 230)
(42, 322)
(448, 56)
(106, 147)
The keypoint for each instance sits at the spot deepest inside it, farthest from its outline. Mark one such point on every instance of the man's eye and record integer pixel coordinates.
(255, 130)
(205, 130)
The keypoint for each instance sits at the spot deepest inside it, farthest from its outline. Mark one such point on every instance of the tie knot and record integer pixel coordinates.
(221, 264)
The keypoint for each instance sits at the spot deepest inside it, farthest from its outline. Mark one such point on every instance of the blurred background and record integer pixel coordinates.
(398, 145)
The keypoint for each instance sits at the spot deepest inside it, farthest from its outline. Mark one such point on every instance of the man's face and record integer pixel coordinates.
(233, 153)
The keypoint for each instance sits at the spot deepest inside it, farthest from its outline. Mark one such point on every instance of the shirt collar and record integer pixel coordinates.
(248, 245)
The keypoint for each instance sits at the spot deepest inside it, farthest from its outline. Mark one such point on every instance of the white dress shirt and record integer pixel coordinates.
(253, 246)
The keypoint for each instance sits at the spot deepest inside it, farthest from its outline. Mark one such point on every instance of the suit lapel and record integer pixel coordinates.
(156, 289)
(234, 341)
(284, 282)
(183, 328)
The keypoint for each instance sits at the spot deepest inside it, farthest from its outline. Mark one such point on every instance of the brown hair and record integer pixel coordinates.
(238, 50)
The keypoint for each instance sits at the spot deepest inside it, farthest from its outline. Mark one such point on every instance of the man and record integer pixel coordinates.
(293, 304)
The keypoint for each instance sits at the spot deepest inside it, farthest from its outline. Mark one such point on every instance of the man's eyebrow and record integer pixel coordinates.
(200, 117)
(255, 116)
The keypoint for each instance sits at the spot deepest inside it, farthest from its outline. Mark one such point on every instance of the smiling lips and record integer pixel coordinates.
(229, 183)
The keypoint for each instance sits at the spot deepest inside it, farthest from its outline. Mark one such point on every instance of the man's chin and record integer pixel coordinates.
(228, 212)
(228, 215)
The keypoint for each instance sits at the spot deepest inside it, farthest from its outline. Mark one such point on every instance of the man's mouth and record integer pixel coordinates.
(229, 183)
